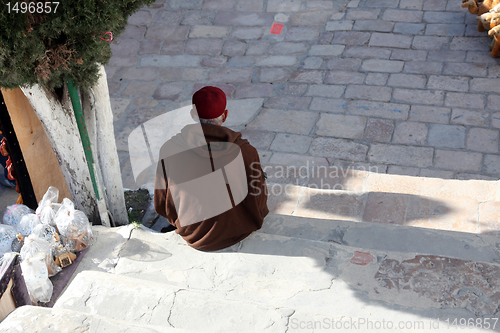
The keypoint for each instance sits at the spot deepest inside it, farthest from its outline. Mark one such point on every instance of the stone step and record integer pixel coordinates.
(387, 237)
(303, 279)
(34, 319)
(151, 303)
(345, 193)
(358, 193)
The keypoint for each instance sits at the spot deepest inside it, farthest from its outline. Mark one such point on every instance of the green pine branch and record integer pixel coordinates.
(49, 49)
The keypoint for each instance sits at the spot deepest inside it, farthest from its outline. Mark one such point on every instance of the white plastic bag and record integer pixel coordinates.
(13, 214)
(74, 225)
(36, 278)
(48, 206)
(34, 245)
(7, 235)
(27, 224)
(45, 231)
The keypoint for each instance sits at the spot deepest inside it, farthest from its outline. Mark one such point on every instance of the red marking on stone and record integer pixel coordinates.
(276, 29)
(362, 258)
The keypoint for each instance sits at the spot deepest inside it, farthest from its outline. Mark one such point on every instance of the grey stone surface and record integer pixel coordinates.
(338, 148)
(242, 111)
(376, 79)
(423, 67)
(483, 140)
(409, 28)
(225, 18)
(407, 80)
(341, 126)
(409, 132)
(379, 130)
(339, 26)
(447, 136)
(351, 38)
(346, 64)
(409, 55)
(430, 114)
(326, 50)
(298, 34)
(407, 156)
(433, 97)
(291, 143)
(404, 171)
(323, 90)
(390, 40)
(374, 109)
(276, 61)
(429, 42)
(273, 74)
(492, 164)
(344, 77)
(299, 122)
(386, 66)
(231, 75)
(308, 76)
(390, 61)
(373, 25)
(457, 160)
(288, 102)
(365, 52)
(448, 83)
(398, 15)
(466, 117)
(372, 93)
(287, 48)
(258, 139)
(333, 105)
(474, 101)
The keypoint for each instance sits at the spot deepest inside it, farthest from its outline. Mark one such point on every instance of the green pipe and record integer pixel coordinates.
(82, 128)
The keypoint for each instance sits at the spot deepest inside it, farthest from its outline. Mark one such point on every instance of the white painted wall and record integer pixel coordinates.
(99, 119)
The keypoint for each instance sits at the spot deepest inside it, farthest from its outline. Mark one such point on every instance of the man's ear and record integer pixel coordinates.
(225, 115)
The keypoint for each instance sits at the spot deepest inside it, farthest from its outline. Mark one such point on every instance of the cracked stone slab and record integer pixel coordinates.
(127, 299)
(273, 281)
(234, 273)
(33, 319)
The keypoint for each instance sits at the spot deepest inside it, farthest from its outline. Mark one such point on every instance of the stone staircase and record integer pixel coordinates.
(316, 265)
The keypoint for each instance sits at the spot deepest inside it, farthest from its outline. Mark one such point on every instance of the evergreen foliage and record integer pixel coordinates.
(50, 48)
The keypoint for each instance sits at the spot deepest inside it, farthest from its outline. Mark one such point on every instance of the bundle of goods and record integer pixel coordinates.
(46, 239)
(488, 19)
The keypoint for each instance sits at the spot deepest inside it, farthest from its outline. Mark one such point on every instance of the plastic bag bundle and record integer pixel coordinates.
(48, 206)
(34, 245)
(27, 224)
(7, 235)
(13, 214)
(45, 231)
(36, 276)
(17, 243)
(74, 225)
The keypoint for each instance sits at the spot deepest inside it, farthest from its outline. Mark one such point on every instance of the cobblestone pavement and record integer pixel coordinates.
(407, 86)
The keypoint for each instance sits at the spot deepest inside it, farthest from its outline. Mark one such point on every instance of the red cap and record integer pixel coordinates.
(210, 102)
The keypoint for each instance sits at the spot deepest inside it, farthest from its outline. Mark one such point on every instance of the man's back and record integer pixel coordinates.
(231, 226)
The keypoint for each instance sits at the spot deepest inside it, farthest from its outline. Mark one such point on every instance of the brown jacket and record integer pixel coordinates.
(227, 228)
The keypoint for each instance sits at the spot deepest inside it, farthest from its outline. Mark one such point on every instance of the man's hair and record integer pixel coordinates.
(215, 121)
